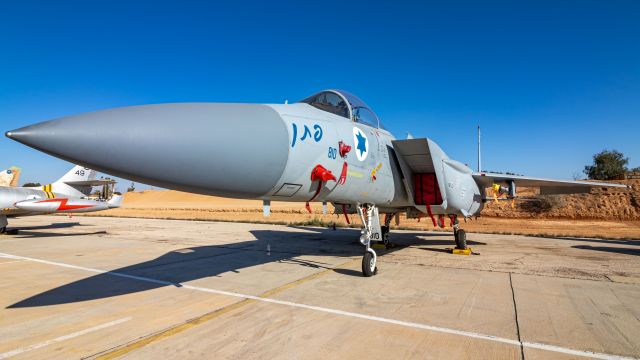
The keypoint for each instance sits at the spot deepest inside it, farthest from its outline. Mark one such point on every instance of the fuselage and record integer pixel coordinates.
(314, 138)
(234, 150)
(250, 151)
(9, 196)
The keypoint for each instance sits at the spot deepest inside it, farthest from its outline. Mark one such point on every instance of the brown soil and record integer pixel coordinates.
(608, 213)
(601, 204)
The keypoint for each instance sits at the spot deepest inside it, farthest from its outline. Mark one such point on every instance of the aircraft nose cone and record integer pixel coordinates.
(20, 134)
(235, 150)
(17, 134)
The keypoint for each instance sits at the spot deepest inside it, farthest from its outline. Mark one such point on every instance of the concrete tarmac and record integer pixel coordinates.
(105, 288)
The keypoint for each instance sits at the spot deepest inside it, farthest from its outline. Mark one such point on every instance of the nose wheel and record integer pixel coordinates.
(369, 267)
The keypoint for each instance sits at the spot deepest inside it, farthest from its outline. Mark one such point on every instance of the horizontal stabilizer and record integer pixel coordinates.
(547, 186)
(90, 182)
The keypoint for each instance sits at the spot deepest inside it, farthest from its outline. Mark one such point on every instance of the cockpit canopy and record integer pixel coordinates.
(347, 105)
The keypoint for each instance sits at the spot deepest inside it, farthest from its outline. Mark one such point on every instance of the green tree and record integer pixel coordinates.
(607, 165)
(32, 184)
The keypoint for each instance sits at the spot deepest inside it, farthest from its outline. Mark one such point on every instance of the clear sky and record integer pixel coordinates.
(550, 82)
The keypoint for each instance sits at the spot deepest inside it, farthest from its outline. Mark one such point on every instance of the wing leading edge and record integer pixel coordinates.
(547, 186)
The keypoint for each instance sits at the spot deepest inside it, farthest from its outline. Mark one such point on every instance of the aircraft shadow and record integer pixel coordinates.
(192, 263)
(50, 226)
(626, 251)
(602, 241)
(39, 234)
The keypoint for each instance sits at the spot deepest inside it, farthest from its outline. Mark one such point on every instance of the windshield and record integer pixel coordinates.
(330, 102)
(345, 104)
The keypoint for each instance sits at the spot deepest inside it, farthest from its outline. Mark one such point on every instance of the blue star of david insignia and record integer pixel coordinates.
(362, 143)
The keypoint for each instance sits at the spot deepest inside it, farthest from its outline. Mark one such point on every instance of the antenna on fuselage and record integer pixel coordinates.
(479, 159)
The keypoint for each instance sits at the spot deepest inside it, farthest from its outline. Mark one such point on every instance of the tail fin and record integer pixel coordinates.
(10, 177)
(65, 185)
(78, 173)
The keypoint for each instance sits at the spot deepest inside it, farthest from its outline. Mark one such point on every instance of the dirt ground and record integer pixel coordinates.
(604, 214)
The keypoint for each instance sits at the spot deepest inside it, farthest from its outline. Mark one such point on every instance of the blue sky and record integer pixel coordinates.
(550, 82)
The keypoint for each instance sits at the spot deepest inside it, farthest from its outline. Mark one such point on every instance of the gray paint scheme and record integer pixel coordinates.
(249, 151)
(234, 150)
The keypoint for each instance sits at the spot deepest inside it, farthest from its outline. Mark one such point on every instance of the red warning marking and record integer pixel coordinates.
(63, 204)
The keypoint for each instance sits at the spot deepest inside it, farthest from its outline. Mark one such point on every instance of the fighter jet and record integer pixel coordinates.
(70, 194)
(329, 147)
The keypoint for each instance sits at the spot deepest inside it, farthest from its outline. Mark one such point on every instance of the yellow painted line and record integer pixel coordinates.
(115, 353)
(355, 174)
(15, 352)
(172, 331)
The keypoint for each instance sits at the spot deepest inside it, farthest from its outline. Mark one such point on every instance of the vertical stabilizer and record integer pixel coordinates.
(10, 177)
(78, 173)
(65, 185)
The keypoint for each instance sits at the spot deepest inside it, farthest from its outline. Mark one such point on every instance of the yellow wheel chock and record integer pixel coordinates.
(457, 251)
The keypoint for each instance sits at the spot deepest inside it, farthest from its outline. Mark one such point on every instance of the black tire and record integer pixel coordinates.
(461, 240)
(3, 230)
(367, 269)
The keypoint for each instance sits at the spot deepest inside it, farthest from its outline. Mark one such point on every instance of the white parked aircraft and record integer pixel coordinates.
(70, 194)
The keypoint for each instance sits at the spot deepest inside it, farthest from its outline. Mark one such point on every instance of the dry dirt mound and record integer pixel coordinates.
(598, 215)
(602, 204)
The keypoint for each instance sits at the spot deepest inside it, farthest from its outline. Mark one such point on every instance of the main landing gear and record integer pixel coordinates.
(371, 232)
(459, 235)
(3, 224)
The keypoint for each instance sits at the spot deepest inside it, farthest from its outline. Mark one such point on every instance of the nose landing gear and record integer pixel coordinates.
(371, 231)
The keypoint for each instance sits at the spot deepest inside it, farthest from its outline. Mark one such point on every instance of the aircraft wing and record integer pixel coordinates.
(90, 182)
(547, 186)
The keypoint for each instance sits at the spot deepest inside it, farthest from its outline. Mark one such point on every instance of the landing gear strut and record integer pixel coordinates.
(385, 230)
(459, 235)
(371, 231)
(3, 224)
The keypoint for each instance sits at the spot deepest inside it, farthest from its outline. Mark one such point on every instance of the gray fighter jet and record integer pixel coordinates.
(329, 147)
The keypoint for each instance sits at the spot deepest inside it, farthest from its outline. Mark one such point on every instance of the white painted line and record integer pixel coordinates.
(15, 352)
(469, 334)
